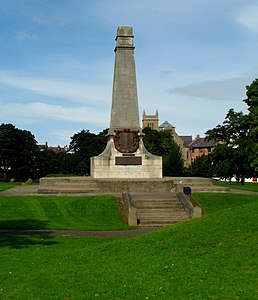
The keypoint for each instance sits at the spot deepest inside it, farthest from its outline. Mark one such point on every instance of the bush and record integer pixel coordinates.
(29, 181)
(12, 180)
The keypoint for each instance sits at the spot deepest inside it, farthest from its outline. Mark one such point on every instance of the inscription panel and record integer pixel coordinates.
(128, 160)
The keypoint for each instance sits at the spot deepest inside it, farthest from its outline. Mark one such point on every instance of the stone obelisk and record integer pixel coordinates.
(125, 155)
(124, 111)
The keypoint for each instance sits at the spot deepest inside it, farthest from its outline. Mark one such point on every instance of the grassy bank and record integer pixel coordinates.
(214, 202)
(248, 186)
(214, 257)
(55, 212)
(5, 186)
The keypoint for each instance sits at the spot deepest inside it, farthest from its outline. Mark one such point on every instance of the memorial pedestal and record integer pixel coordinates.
(114, 164)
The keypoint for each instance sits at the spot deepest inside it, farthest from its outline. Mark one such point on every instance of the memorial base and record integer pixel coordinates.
(113, 164)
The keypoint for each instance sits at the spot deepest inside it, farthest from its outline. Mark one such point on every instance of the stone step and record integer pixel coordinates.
(142, 196)
(157, 205)
(150, 199)
(161, 217)
(160, 223)
(76, 185)
(160, 210)
(67, 190)
(211, 188)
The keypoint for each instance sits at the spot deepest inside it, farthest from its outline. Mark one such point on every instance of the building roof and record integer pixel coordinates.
(166, 125)
(187, 140)
(56, 149)
(201, 143)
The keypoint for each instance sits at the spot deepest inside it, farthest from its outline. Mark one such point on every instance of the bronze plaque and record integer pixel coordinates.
(126, 141)
(128, 160)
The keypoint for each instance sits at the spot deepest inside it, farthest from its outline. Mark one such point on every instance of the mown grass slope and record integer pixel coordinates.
(55, 212)
(214, 257)
(5, 186)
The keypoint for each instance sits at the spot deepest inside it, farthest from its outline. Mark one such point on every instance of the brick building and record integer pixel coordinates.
(191, 149)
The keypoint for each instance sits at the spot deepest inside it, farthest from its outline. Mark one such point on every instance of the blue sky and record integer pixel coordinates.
(193, 61)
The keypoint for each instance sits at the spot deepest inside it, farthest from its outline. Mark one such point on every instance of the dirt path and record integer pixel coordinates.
(81, 233)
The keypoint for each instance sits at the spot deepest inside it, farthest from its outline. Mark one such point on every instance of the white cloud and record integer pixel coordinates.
(248, 17)
(63, 135)
(65, 89)
(225, 89)
(38, 111)
(23, 35)
(48, 20)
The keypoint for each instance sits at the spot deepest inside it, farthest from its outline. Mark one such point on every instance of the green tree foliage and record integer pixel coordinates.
(202, 167)
(252, 102)
(17, 152)
(252, 95)
(46, 162)
(161, 143)
(84, 145)
(173, 163)
(236, 152)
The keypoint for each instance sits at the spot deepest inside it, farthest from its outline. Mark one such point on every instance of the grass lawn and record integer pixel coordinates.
(5, 186)
(55, 212)
(213, 202)
(248, 186)
(214, 257)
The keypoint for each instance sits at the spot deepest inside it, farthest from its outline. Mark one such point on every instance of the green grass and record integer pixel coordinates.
(248, 186)
(5, 186)
(213, 202)
(55, 212)
(214, 257)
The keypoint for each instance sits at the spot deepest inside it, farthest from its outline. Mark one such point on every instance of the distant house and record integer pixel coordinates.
(191, 149)
(198, 147)
(56, 149)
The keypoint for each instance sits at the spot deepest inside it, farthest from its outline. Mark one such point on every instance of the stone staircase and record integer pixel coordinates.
(158, 209)
(68, 185)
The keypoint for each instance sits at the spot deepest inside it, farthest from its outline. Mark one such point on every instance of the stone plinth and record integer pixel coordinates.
(106, 165)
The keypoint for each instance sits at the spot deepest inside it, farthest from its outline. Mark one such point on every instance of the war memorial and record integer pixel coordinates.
(125, 167)
(125, 155)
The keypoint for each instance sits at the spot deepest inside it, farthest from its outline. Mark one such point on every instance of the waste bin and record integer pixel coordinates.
(187, 190)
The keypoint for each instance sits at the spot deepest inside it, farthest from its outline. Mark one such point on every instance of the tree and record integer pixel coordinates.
(202, 167)
(173, 163)
(46, 162)
(17, 152)
(85, 145)
(161, 143)
(157, 142)
(252, 102)
(236, 152)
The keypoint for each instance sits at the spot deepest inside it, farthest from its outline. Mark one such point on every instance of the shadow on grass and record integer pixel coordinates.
(24, 224)
(23, 241)
(24, 233)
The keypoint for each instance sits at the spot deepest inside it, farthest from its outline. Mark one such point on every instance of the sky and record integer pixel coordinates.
(193, 58)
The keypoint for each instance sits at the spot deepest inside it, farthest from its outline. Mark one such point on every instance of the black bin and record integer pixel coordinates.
(187, 190)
